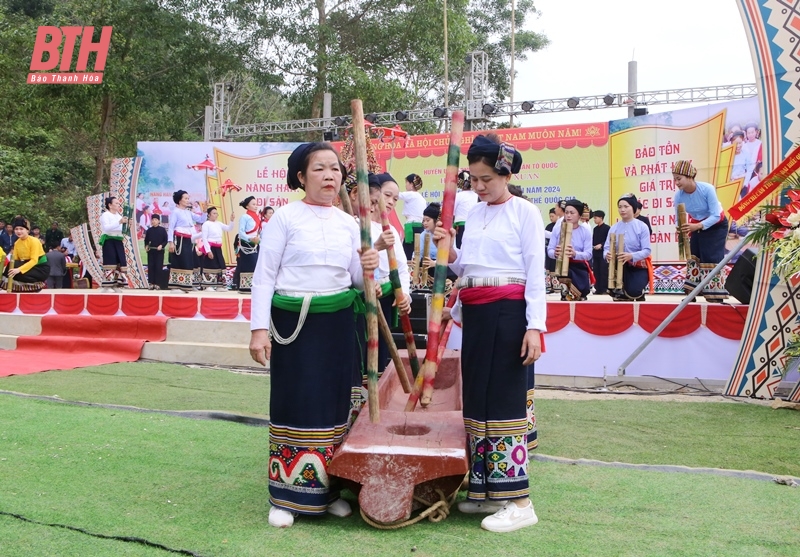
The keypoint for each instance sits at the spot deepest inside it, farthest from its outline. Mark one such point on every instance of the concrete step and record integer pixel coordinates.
(208, 331)
(8, 342)
(234, 355)
(19, 325)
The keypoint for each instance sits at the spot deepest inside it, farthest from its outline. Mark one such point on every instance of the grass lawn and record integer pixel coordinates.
(201, 485)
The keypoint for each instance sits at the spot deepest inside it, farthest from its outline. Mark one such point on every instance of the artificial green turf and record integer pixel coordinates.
(201, 485)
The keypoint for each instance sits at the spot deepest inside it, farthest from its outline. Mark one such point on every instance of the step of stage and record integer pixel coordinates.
(225, 355)
(8, 342)
(19, 325)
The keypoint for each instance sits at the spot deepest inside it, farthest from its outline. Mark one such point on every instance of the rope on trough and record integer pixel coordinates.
(436, 512)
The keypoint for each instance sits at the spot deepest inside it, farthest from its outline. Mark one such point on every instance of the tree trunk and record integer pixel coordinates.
(321, 62)
(106, 114)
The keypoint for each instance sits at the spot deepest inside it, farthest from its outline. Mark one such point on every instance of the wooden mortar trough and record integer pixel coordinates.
(406, 454)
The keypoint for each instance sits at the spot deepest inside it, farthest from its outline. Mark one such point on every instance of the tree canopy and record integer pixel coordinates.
(279, 57)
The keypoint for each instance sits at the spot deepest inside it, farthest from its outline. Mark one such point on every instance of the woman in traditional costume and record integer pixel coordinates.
(383, 241)
(28, 268)
(579, 252)
(249, 238)
(114, 263)
(635, 276)
(500, 265)
(181, 233)
(466, 199)
(212, 262)
(304, 297)
(413, 205)
(155, 243)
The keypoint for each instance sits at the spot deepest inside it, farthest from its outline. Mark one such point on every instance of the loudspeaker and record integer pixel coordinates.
(740, 280)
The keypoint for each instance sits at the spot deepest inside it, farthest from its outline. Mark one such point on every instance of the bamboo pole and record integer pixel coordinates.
(566, 242)
(405, 319)
(442, 257)
(415, 276)
(562, 245)
(416, 392)
(360, 148)
(10, 285)
(612, 261)
(344, 201)
(684, 249)
(620, 264)
(386, 331)
(426, 252)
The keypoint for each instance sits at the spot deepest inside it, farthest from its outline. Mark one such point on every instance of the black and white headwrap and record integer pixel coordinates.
(507, 159)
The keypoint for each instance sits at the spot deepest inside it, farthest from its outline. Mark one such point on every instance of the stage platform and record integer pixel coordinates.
(585, 344)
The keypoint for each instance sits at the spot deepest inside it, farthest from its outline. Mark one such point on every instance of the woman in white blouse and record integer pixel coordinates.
(304, 298)
(212, 261)
(501, 276)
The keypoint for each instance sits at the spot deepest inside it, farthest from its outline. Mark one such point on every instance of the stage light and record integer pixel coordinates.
(489, 109)
(371, 117)
(440, 112)
(527, 106)
(572, 102)
(640, 111)
(341, 120)
(609, 99)
(401, 115)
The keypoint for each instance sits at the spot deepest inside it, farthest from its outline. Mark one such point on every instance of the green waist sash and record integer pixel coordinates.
(321, 304)
(408, 231)
(105, 237)
(42, 259)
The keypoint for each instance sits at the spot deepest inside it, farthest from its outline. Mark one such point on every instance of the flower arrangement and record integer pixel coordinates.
(779, 233)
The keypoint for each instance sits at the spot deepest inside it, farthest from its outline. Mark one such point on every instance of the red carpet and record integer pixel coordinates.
(71, 341)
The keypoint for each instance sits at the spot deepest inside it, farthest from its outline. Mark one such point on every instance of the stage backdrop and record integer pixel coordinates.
(595, 163)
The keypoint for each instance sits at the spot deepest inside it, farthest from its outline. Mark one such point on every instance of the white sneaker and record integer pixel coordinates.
(480, 507)
(510, 518)
(280, 518)
(210, 289)
(340, 508)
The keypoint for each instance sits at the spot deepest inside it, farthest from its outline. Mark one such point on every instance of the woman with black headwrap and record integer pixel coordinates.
(184, 276)
(304, 297)
(501, 270)
(637, 249)
(249, 238)
(28, 268)
(579, 253)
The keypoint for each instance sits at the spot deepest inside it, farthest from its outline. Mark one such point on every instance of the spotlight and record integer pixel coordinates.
(329, 136)
(609, 99)
(341, 121)
(572, 102)
(371, 117)
(401, 115)
(468, 59)
(440, 112)
(640, 111)
(527, 106)
(489, 109)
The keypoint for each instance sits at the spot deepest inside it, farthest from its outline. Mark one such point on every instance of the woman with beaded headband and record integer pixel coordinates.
(115, 264)
(413, 205)
(28, 269)
(707, 227)
(637, 249)
(305, 294)
(502, 295)
(181, 234)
